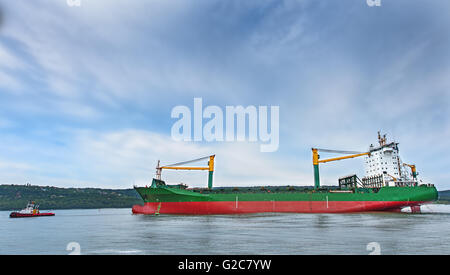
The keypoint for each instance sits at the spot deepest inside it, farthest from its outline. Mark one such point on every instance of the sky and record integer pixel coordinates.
(86, 92)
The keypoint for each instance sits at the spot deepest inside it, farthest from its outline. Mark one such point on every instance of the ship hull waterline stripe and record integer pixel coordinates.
(248, 207)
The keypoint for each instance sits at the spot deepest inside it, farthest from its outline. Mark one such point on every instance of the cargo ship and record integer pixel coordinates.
(388, 185)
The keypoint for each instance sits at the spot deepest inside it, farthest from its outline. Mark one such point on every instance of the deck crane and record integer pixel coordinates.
(177, 166)
(317, 160)
(413, 170)
(386, 173)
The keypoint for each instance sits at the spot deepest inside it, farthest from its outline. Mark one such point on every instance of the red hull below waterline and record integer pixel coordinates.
(22, 215)
(248, 207)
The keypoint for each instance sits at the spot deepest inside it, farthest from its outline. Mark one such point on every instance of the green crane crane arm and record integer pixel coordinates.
(176, 166)
(316, 161)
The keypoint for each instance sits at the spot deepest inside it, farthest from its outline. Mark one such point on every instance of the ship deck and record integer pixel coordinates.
(262, 189)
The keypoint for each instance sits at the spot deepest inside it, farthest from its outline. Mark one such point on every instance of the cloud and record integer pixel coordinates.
(104, 51)
(109, 73)
(5, 123)
(4, 165)
(9, 83)
(9, 60)
(122, 158)
(131, 156)
(1, 18)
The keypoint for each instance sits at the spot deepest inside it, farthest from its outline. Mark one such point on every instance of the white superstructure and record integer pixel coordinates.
(384, 160)
(30, 209)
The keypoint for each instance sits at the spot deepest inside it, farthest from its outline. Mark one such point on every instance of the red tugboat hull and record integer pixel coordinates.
(22, 215)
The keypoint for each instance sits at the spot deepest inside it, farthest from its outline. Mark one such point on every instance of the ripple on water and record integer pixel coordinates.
(117, 231)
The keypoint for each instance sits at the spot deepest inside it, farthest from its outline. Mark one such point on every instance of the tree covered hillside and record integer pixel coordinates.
(444, 196)
(13, 197)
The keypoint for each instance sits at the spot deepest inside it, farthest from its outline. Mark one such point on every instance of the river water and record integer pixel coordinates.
(117, 231)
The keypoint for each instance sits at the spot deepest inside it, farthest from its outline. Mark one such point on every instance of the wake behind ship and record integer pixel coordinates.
(388, 185)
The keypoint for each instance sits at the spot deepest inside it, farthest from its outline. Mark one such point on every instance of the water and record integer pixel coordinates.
(117, 231)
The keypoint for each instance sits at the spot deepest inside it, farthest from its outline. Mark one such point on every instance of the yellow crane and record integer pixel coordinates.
(317, 160)
(386, 173)
(177, 166)
(413, 170)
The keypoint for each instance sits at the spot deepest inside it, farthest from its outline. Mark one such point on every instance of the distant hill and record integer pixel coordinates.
(13, 197)
(444, 196)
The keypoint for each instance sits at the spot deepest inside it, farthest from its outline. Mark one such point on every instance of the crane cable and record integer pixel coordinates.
(339, 151)
(186, 162)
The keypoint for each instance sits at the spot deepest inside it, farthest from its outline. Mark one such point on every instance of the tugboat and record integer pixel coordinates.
(32, 210)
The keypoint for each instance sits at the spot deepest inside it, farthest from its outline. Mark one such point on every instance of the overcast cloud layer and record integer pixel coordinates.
(86, 92)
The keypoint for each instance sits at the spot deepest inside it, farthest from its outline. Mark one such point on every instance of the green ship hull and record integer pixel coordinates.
(176, 199)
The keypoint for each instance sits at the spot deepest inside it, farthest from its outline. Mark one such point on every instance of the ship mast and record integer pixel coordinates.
(158, 171)
(381, 140)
